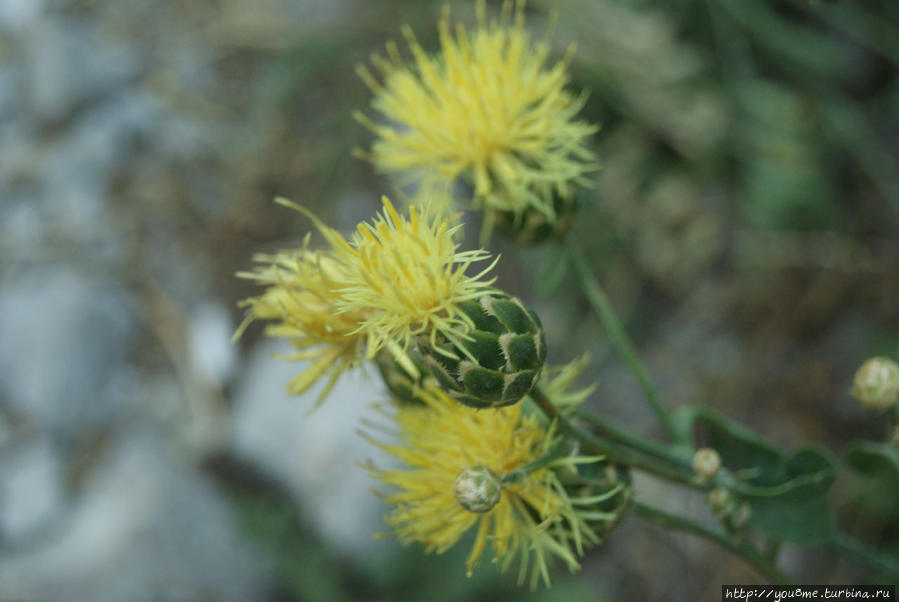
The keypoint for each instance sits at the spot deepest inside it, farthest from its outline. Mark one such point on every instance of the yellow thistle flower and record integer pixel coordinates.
(302, 301)
(405, 277)
(534, 519)
(393, 280)
(488, 109)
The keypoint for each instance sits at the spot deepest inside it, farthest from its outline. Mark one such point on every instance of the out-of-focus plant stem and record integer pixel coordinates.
(626, 437)
(740, 547)
(670, 469)
(620, 445)
(863, 553)
(601, 305)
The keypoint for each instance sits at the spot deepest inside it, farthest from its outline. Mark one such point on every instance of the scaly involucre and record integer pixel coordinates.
(487, 109)
(535, 519)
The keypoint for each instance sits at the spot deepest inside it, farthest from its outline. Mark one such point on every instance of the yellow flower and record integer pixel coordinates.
(393, 280)
(302, 301)
(534, 518)
(406, 277)
(488, 109)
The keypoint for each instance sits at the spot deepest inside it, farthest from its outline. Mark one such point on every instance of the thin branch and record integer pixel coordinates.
(740, 547)
(865, 554)
(607, 316)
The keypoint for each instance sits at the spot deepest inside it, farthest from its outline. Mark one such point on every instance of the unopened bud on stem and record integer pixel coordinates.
(477, 489)
(706, 463)
(876, 384)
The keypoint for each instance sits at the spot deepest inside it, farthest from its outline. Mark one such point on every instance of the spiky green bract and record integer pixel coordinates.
(500, 359)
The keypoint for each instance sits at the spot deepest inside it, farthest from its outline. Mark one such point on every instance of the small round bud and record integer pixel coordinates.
(720, 501)
(876, 384)
(706, 463)
(477, 489)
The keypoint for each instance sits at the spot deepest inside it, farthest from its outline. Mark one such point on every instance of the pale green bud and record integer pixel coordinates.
(706, 463)
(477, 489)
(876, 384)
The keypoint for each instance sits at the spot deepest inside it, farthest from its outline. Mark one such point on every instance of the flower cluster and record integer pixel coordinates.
(395, 279)
(534, 517)
(488, 111)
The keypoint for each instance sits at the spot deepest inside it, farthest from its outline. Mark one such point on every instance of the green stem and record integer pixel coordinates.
(626, 437)
(595, 444)
(741, 547)
(865, 554)
(606, 314)
(518, 475)
(666, 464)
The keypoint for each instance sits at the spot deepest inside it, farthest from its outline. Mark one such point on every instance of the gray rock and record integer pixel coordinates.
(61, 339)
(212, 355)
(316, 453)
(148, 528)
(70, 64)
(9, 90)
(31, 490)
(19, 15)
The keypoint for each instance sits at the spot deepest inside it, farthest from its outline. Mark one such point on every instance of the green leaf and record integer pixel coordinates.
(876, 460)
(787, 495)
(797, 509)
(880, 463)
(742, 450)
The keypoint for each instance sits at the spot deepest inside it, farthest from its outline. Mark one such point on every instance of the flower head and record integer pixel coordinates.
(488, 109)
(405, 277)
(302, 301)
(394, 279)
(440, 443)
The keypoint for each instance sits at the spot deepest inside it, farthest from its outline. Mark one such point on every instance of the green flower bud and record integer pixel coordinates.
(876, 384)
(477, 489)
(502, 357)
(531, 226)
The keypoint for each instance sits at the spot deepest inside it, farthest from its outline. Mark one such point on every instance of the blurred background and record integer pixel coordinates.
(744, 223)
